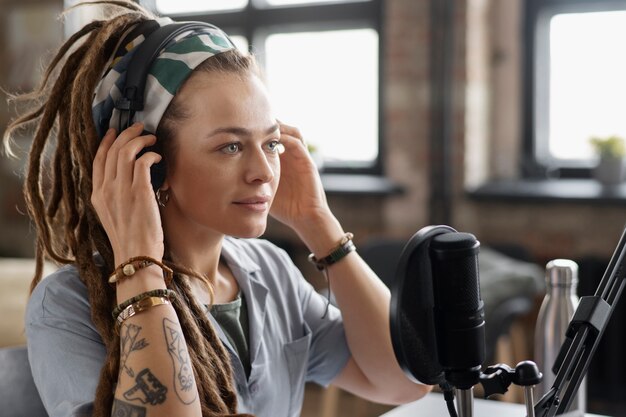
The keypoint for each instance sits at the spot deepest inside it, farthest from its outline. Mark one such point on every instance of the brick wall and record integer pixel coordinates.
(486, 135)
(407, 112)
(548, 230)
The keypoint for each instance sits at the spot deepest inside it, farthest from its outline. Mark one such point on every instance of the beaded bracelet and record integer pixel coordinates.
(134, 264)
(345, 247)
(167, 293)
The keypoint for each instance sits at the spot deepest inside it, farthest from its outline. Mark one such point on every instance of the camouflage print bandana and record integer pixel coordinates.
(167, 74)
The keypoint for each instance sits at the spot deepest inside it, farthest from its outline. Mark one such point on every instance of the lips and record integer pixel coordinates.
(257, 203)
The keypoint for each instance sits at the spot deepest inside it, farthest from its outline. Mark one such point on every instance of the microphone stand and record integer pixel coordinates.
(462, 382)
(465, 402)
(583, 336)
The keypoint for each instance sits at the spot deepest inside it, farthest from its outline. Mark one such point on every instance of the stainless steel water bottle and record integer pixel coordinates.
(555, 313)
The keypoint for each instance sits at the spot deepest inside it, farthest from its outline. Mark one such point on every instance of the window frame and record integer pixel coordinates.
(258, 20)
(535, 60)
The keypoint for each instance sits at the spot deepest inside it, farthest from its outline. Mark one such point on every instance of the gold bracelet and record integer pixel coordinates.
(159, 292)
(134, 264)
(139, 306)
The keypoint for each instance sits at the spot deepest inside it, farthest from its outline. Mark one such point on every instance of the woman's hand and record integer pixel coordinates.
(123, 197)
(300, 196)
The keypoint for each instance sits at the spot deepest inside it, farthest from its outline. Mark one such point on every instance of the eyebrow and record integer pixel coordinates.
(241, 131)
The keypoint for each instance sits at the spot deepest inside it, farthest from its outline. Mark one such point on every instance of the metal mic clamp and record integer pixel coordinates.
(497, 378)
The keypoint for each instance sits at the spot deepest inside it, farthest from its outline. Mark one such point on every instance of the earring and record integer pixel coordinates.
(162, 197)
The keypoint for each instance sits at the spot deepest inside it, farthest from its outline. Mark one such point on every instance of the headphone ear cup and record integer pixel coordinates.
(157, 175)
(157, 171)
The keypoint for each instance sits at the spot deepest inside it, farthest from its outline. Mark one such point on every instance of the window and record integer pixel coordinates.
(330, 91)
(321, 61)
(194, 6)
(575, 83)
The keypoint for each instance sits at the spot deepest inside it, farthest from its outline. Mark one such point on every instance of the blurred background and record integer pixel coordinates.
(473, 113)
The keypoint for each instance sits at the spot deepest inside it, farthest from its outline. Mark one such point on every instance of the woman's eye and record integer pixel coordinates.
(231, 148)
(276, 147)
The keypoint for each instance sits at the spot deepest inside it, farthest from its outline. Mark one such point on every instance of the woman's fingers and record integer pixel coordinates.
(115, 158)
(290, 135)
(291, 141)
(116, 164)
(141, 174)
(110, 170)
(99, 160)
(290, 130)
(127, 156)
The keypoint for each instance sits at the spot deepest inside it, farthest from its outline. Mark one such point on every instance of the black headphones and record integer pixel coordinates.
(133, 90)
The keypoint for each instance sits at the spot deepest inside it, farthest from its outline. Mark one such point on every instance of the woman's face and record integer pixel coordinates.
(226, 167)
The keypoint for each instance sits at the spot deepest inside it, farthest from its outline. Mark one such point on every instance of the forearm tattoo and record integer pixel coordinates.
(124, 409)
(183, 374)
(147, 390)
(129, 334)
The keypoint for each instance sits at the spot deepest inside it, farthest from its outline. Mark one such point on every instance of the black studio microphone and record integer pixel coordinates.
(436, 314)
(458, 308)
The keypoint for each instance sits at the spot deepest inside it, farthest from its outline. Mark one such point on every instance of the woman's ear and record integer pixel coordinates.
(163, 195)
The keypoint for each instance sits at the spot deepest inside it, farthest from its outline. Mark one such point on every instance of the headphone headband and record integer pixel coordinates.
(156, 40)
(146, 71)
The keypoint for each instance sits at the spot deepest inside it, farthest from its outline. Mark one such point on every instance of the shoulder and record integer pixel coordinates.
(60, 295)
(65, 350)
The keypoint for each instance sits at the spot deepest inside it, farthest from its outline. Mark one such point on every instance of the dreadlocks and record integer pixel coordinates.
(68, 228)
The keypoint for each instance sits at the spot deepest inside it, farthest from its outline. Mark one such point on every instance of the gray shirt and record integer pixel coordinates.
(290, 342)
(233, 319)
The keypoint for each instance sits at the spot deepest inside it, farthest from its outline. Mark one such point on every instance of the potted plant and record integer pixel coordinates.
(610, 151)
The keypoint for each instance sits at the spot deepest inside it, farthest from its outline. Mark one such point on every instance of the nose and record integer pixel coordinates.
(260, 167)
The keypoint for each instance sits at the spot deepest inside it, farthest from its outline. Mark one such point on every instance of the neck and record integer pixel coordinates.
(199, 248)
(193, 245)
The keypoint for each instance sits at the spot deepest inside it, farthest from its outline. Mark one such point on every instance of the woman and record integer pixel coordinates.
(234, 328)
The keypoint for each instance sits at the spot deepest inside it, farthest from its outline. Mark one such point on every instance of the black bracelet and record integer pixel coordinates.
(345, 247)
(170, 294)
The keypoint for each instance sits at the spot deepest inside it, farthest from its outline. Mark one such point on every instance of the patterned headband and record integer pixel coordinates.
(167, 73)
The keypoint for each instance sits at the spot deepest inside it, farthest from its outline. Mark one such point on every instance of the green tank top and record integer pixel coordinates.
(233, 319)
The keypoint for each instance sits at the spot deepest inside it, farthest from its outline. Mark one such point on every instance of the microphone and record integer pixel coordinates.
(436, 314)
(438, 324)
(458, 308)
